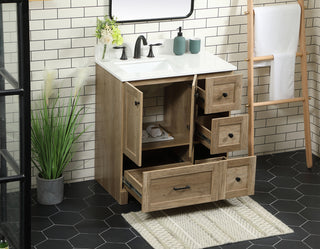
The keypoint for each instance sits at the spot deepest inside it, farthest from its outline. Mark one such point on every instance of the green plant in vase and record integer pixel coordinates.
(108, 32)
(54, 131)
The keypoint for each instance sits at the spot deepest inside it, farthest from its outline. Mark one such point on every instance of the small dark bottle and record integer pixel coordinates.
(3, 243)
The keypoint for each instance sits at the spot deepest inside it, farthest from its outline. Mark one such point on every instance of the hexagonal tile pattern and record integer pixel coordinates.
(86, 241)
(284, 187)
(118, 235)
(287, 206)
(60, 232)
(66, 218)
(286, 194)
(91, 226)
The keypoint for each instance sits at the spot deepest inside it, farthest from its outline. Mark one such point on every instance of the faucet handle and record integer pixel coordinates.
(123, 55)
(150, 54)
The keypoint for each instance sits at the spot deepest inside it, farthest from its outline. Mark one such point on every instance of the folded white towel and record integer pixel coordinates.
(154, 131)
(277, 33)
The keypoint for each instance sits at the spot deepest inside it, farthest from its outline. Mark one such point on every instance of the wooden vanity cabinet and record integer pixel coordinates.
(197, 114)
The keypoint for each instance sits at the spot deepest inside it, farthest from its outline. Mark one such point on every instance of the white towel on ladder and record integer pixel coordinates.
(277, 33)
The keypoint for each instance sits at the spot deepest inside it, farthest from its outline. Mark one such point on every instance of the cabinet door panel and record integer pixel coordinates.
(133, 114)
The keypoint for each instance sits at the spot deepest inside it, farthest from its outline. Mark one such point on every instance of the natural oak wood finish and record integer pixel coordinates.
(237, 177)
(304, 81)
(192, 116)
(223, 134)
(221, 93)
(108, 138)
(132, 121)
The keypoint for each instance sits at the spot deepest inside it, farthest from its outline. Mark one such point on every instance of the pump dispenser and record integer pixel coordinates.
(179, 44)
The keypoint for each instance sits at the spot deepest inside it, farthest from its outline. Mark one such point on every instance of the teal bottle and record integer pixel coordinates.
(179, 44)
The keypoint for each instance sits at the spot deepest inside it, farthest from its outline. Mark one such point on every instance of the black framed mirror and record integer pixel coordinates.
(150, 10)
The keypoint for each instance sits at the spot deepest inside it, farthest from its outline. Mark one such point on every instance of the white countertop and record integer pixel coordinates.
(171, 66)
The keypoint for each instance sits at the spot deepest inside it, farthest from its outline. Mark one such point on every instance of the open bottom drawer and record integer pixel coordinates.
(173, 186)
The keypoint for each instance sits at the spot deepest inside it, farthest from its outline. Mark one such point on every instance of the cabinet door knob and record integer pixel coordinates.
(136, 102)
(238, 179)
(230, 135)
(181, 188)
(225, 95)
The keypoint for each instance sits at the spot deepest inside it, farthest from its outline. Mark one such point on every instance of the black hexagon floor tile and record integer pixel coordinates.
(98, 189)
(98, 213)
(72, 205)
(285, 182)
(292, 219)
(239, 245)
(299, 234)
(37, 237)
(60, 232)
(313, 227)
(313, 241)
(43, 210)
(78, 190)
(113, 246)
(262, 162)
(309, 189)
(92, 226)
(290, 244)
(40, 223)
(267, 241)
(263, 198)
(282, 161)
(310, 201)
(287, 206)
(54, 244)
(86, 241)
(311, 214)
(100, 200)
(117, 221)
(120, 235)
(263, 186)
(286, 194)
(284, 171)
(66, 218)
(310, 178)
(263, 175)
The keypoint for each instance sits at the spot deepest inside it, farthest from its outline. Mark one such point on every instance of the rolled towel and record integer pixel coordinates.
(154, 131)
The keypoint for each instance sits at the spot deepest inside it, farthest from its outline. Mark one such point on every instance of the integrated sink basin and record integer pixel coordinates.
(164, 66)
(146, 66)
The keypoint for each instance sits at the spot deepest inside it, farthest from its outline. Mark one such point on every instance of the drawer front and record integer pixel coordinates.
(223, 134)
(238, 177)
(221, 94)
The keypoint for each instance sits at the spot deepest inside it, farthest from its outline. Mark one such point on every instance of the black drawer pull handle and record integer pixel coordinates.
(137, 103)
(238, 179)
(230, 135)
(182, 188)
(225, 95)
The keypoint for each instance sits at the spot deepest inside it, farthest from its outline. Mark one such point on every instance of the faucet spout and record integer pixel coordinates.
(137, 47)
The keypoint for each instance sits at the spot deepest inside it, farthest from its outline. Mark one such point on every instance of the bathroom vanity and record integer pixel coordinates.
(200, 91)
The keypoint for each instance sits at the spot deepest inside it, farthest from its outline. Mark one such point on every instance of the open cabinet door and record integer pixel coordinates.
(192, 114)
(133, 113)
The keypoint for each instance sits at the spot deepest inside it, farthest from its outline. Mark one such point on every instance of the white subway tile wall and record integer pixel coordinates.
(63, 38)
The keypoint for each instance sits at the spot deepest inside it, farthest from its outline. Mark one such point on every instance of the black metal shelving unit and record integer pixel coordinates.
(15, 169)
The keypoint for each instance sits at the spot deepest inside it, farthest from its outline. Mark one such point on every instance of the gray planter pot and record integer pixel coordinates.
(50, 192)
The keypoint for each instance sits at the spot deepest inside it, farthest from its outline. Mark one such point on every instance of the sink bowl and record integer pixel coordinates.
(149, 66)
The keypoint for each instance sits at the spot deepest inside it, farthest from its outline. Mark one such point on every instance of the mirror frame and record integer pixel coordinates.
(152, 19)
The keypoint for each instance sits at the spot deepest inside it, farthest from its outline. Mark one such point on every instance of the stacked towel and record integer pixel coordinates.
(277, 33)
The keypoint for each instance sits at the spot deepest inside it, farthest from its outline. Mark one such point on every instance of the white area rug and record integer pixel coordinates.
(206, 225)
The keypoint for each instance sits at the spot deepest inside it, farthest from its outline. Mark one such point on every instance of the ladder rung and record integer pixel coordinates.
(270, 57)
(277, 102)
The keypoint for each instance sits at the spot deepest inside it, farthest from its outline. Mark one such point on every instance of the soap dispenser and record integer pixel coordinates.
(179, 44)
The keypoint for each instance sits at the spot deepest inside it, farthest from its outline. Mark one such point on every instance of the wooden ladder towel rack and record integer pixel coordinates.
(304, 81)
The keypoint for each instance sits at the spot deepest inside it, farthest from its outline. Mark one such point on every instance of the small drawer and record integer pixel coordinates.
(220, 94)
(238, 177)
(223, 134)
(173, 186)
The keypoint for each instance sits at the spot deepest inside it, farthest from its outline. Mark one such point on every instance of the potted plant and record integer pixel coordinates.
(54, 131)
(107, 32)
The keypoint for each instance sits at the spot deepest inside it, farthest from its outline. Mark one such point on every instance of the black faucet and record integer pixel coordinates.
(137, 47)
